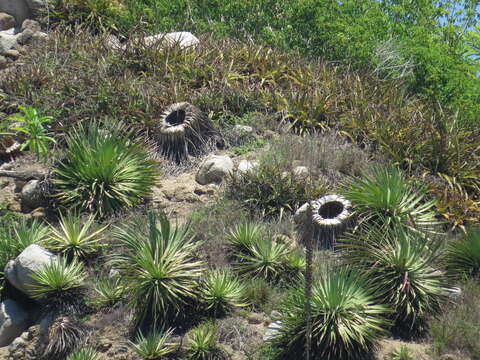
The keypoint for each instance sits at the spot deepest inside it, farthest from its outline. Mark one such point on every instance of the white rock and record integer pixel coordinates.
(31, 24)
(32, 259)
(245, 166)
(13, 321)
(183, 39)
(214, 169)
(242, 129)
(7, 41)
(272, 330)
(17, 8)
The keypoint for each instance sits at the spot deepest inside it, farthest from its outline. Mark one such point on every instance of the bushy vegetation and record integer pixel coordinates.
(103, 170)
(346, 320)
(159, 268)
(463, 255)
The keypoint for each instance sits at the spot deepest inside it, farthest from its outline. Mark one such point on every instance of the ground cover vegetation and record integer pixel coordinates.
(386, 136)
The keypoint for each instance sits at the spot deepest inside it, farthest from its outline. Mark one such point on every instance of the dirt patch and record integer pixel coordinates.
(419, 351)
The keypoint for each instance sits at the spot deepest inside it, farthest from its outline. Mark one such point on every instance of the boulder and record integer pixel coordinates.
(32, 259)
(214, 169)
(301, 172)
(35, 5)
(6, 21)
(32, 194)
(300, 215)
(183, 39)
(242, 129)
(16, 8)
(246, 165)
(7, 41)
(13, 321)
(25, 36)
(32, 25)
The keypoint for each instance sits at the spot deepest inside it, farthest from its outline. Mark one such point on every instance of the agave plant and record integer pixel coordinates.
(57, 278)
(266, 258)
(103, 169)
(159, 267)
(347, 321)
(153, 346)
(74, 239)
(244, 235)
(84, 354)
(108, 293)
(400, 263)
(26, 233)
(64, 336)
(202, 343)
(386, 194)
(463, 255)
(222, 291)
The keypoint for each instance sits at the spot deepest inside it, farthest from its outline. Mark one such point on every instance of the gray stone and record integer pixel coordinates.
(6, 21)
(3, 62)
(301, 214)
(301, 172)
(7, 41)
(32, 259)
(17, 8)
(214, 169)
(25, 36)
(12, 54)
(32, 25)
(35, 5)
(246, 165)
(32, 194)
(112, 42)
(272, 330)
(39, 37)
(13, 321)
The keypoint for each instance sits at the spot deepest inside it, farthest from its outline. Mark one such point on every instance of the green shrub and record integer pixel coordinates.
(202, 343)
(35, 128)
(385, 194)
(26, 233)
(108, 293)
(346, 320)
(402, 267)
(463, 255)
(262, 295)
(153, 346)
(221, 291)
(401, 353)
(243, 236)
(265, 258)
(272, 189)
(74, 239)
(57, 278)
(103, 170)
(159, 267)
(84, 354)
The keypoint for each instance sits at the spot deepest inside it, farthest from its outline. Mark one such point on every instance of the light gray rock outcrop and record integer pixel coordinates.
(32, 194)
(13, 321)
(183, 39)
(6, 21)
(32, 259)
(214, 169)
(246, 165)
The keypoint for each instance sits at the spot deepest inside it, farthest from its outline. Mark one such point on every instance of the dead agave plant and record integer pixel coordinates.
(183, 131)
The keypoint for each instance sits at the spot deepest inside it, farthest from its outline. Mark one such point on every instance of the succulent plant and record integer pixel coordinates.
(183, 131)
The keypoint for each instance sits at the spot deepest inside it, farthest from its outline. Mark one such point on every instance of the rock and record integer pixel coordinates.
(182, 38)
(455, 294)
(13, 321)
(214, 169)
(245, 166)
(35, 5)
(301, 172)
(3, 62)
(6, 21)
(112, 42)
(25, 36)
(242, 129)
(12, 54)
(7, 41)
(300, 214)
(16, 8)
(39, 37)
(18, 271)
(32, 194)
(32, 25)
(272, 330)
